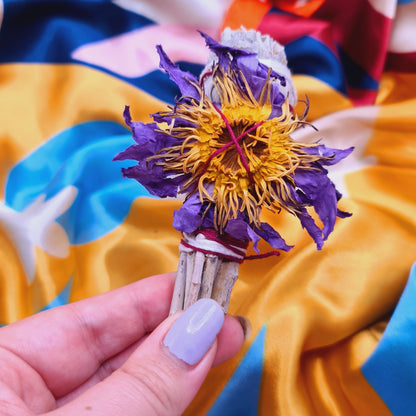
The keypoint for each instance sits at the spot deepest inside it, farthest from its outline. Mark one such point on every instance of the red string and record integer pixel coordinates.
(214, 253)
(262, 255)
(228, 242)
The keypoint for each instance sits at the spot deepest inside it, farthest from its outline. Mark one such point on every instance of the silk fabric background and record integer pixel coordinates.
(324, 339)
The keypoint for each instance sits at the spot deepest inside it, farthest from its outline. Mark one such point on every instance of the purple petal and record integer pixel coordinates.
(127, 115)
(238, 229)
(154, 180)
(253, 70)
(241, 230)
(188, 217)
(133, 152)
(224, 53)
(147, 134)
(343, 214)
(148, 171)
(262, 71)
(149, 142)
(314, 231)
(269, 234)
(255, 74)
(183, 79)
(320, 192)
(277, 100)
(167, 118)
(334, 155)
(254, 237)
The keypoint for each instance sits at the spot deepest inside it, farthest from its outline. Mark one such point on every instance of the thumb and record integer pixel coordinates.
(165, 372)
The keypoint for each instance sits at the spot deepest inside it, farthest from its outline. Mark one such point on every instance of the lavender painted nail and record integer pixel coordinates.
(193, 333)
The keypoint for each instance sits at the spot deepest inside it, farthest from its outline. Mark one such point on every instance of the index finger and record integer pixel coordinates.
(67, 345)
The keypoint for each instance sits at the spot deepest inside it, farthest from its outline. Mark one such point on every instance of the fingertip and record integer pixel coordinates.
(230, 339)
(195, 331)
(245, 324)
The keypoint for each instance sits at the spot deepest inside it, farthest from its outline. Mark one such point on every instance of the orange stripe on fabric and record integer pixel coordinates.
(334, 380)
(323, 99)
(393, 142)
(300, 8)
(247, 13)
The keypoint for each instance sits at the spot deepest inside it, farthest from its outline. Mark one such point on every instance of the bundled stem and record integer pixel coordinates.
(202, 275)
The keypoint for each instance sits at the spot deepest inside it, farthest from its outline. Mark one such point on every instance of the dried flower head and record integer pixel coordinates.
(226, 145)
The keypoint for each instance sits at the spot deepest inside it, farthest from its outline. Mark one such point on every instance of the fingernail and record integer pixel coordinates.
(245, 324)
(193, 333)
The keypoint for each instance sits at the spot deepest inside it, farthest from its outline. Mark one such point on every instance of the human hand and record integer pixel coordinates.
(107, 355)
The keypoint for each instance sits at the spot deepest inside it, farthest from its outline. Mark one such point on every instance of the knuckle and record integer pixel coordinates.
(9, 408)
(155, 384)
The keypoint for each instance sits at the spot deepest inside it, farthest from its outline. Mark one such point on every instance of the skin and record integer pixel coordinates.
(104, 356)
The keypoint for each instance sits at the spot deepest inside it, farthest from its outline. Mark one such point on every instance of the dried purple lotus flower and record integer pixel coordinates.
(226, 146)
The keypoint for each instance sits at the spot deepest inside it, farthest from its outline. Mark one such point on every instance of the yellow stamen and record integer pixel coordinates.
(218, 171)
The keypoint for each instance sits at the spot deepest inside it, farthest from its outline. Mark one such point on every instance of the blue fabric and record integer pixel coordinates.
(80, 156)
(34, 29)
(240, 396)
(391, 369)
(37, 30)
(400, 2)
(308, 56)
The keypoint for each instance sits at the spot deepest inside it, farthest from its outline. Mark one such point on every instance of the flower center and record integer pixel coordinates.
(231, 138)
(248, 143)
(234, 155)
